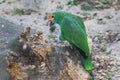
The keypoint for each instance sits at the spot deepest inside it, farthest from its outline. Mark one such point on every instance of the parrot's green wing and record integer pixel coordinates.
(79, 20)
(74, 32)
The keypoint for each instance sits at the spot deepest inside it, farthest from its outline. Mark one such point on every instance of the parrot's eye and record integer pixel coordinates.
(52, 16)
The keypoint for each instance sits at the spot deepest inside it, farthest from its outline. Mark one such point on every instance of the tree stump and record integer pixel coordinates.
(30, 57)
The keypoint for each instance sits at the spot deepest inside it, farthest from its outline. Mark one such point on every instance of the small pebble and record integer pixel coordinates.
(2, 25)
(25, 46)
(42, 64)
(96, 40)
(118, 37)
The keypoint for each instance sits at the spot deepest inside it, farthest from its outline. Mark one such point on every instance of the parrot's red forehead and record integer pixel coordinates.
(50, 16)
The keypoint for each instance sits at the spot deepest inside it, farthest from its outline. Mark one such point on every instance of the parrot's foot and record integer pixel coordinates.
(71, 46)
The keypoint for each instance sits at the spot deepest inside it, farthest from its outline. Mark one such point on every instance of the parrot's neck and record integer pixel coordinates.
(58, 18)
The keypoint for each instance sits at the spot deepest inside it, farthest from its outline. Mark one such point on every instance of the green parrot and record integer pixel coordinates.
(73, 30)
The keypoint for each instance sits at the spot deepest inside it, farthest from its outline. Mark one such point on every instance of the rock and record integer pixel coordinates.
(101, 21)
(97, 64)
(108, 16)
(8, 32)
(42, 64)
(33, 5)
(51, 62)
(96, 40)
(118, 37)
(103, 74)
(118, 63)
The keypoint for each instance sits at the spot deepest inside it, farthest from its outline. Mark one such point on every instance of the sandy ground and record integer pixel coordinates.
(36, 20)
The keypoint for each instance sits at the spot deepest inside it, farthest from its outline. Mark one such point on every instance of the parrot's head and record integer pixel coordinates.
(51, 20)
(51, 17)
(56, 17)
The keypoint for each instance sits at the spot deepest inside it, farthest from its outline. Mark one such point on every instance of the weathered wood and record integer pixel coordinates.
(44, 61)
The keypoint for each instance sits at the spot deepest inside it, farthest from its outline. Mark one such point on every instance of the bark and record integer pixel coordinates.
(42, 60)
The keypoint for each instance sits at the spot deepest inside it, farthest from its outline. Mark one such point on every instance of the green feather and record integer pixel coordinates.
(73, 30)
(86, 62)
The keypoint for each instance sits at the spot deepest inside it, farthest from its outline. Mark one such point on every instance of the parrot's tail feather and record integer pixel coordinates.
(86, 61)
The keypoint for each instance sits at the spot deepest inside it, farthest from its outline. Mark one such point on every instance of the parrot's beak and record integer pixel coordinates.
(50, 23)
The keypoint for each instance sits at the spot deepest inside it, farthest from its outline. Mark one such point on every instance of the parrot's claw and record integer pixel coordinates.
(71, 47)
